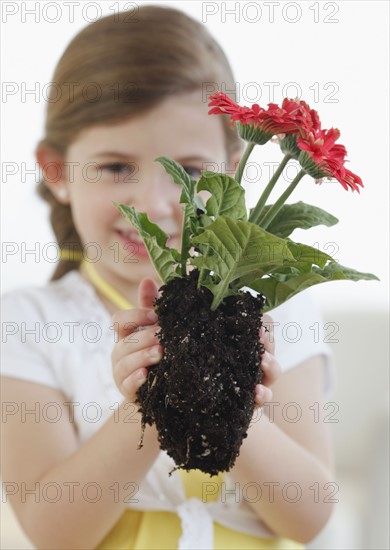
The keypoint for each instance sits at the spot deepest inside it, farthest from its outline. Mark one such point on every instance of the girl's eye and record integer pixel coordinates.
(194, 172)
(116, 167)
(121, 171)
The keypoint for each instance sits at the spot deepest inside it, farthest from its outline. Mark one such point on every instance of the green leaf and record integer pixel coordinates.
(297, 258)
(307, 255)
(192, 203)
(299, 215)
(165, 259)
(238, 250)
(227, 195)
(278, 291)
(337, 271)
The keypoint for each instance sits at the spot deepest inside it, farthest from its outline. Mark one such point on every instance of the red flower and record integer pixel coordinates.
(310, 119)
(293, 117)
(316, 149)
(351, 180)
(249, 120)
(321, 156)
(224, 105)
(319, 144)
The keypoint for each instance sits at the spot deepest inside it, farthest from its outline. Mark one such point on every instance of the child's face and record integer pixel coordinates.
(120, 158)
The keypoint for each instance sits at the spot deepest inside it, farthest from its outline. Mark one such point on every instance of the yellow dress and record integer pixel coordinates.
(150, 530)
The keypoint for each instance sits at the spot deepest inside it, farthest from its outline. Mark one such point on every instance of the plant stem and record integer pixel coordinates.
(203, 269)
(266, 220)
(219, 297)
(256, 212)
(243, 160)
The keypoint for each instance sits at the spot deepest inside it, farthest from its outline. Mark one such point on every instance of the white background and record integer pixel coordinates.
(335, 52)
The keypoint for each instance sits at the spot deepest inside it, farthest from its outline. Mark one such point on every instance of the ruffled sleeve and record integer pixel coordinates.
(300, 333)
(25, 335)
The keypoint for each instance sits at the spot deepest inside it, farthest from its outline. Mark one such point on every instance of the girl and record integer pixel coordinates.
(78, 479)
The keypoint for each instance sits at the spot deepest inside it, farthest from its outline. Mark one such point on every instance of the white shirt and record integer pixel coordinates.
(62, 336)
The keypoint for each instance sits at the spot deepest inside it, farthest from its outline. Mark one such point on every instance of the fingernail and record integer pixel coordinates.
(265, 358)
(152, 315)
(260, 391)
(140, 375)
(155, 352)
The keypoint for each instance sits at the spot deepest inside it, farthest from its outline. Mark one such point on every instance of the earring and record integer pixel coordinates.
(63, 193)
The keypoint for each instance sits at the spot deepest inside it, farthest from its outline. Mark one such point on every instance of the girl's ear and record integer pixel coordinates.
(53, 171)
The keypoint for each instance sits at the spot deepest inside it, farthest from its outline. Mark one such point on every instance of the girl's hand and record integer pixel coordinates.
(137, 348)
(269, 365)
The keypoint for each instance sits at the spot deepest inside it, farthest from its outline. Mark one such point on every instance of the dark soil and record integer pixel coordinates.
(201, 394)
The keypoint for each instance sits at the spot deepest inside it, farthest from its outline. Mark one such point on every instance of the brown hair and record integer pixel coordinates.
(119, 66)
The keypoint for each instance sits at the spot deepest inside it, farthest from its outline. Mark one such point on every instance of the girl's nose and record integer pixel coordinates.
(153, 195)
